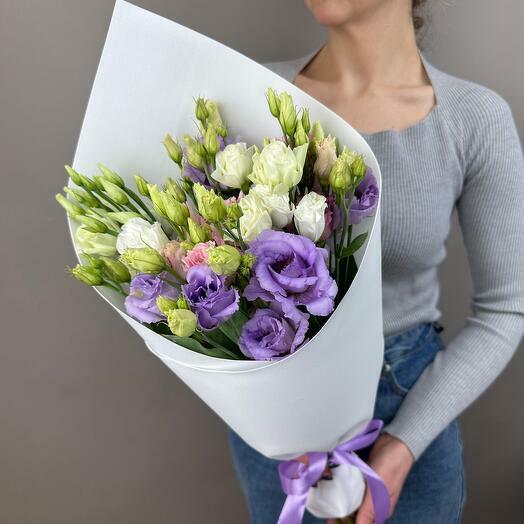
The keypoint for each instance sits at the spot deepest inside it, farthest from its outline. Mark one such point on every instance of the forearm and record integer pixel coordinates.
(458, 375)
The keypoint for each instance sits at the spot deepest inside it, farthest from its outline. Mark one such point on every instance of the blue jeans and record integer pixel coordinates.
(434, 492)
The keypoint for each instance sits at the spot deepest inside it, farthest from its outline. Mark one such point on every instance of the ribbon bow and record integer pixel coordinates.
(297, 478)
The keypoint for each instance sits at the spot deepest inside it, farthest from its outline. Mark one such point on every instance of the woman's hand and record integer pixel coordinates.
(392, 460)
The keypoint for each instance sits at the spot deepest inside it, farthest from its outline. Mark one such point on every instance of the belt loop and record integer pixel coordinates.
(438, 326)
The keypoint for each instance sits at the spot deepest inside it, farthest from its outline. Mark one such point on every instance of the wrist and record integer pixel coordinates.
(398, 447)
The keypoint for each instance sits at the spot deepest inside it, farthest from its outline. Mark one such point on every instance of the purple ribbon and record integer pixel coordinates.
(298, 478)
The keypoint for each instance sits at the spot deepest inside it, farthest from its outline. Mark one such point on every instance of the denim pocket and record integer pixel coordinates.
(407, 356)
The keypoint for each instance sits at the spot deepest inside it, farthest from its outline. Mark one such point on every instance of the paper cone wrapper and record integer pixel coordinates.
(150, 71)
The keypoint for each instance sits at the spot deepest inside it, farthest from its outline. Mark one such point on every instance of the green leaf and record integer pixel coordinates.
(233, 327)
(355, 245)
(195, 345)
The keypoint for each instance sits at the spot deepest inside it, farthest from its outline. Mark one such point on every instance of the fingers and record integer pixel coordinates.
(365, 514)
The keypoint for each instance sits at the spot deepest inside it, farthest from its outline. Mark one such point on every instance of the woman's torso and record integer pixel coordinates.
(422, 175)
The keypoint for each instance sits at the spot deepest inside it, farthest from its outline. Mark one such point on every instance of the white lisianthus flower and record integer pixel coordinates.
(278, 206)
(255, 218)
(233, 165)
(138, 232)
(278, 166)
(310, 216)
(326, 150)
(102, 244)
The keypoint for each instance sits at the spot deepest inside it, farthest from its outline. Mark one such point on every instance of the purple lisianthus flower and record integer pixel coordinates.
(291, 270)
(194, 174)
(332, 217)
(270, 334)
(365, 199)
(143, 292)
(211, 300)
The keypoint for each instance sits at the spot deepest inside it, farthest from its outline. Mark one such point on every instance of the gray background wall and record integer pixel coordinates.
(92, 427)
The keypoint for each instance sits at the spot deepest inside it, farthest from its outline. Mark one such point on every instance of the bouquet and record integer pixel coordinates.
(249, 259)
(248, 254)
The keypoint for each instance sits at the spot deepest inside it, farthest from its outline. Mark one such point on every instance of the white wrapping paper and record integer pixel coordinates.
(150, 71)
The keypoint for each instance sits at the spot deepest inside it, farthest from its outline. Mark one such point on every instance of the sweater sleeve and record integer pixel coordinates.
(491, 217)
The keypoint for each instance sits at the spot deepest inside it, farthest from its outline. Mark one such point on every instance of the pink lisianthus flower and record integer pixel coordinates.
(198, 255)
(174, 254)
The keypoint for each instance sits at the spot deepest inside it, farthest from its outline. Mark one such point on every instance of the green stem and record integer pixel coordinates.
(115, 287)
(118, 207)
(344, 226)
(133, 208)
(140, 202)
(172, 272)
(228, 352)
(241, 240)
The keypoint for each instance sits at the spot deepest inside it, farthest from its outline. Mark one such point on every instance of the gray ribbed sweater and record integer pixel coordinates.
(465, 153)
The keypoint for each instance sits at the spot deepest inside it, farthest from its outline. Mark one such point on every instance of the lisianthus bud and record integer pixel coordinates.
(73, 175)
(246, 263)
(234, 212)
(210, 205)
(122, 216)
(93, 262)
(165, 304)
(223, 260)
(175, 211)
(87, 183)
(156, 199)
(72, 208)
(173, 149)
(92, 224)
(185, 245)
(187, 184)
(326, 150)
(182, 303)
(340, 175)
(306, 124)
(97, 180)
(192, 152)
(182, 322)
(201, 111)
(301, 137)
(358, 169)
(288, 114)
(87, 274)
(211, 142)
(141, 185)
(214, 119)
(273, 102)
(82, 197)
(114, 270)
(197, 233)
(95, 243)
(317, 131)
(144, 259)
(115, 192)
(110, 175)
(175, 190)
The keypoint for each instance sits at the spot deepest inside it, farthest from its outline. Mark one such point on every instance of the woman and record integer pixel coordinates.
(441, 142)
